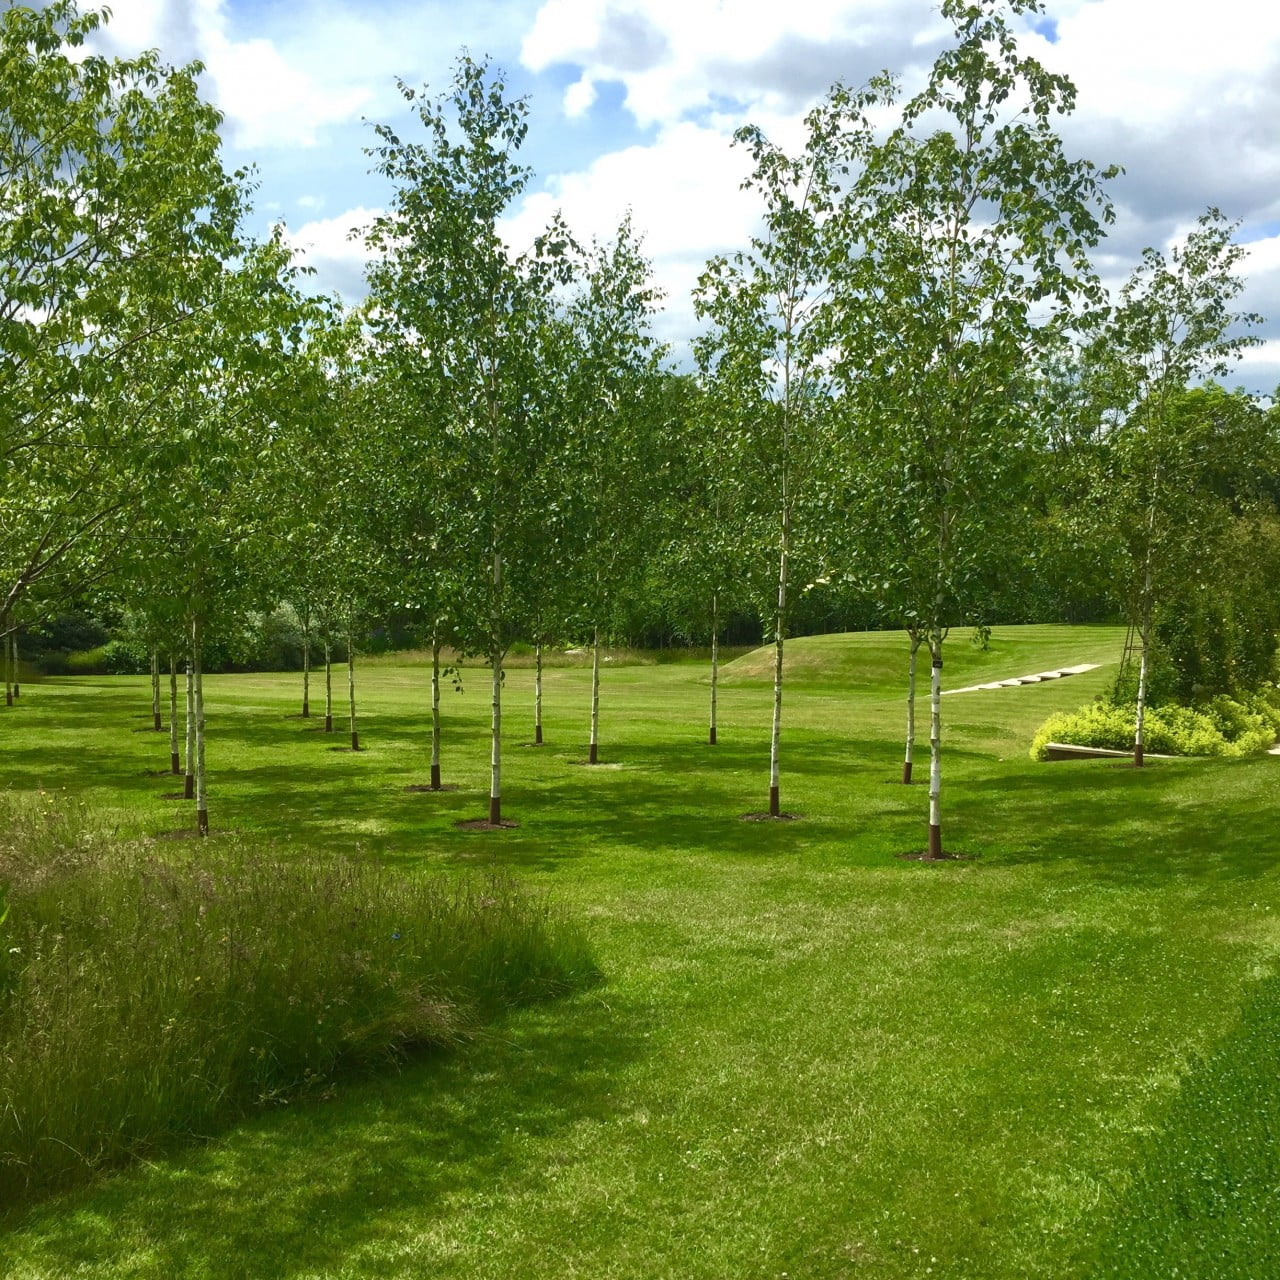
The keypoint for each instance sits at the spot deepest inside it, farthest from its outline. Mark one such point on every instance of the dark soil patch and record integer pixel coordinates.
(483, 824)
(426, 786)
(923, 855)
(769, 817)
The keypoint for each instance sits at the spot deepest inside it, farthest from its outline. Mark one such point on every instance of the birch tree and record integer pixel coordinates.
(614, 376)
(973, 229)
(765, 352)
(476, 310)
(1173, 324)
(115, 213)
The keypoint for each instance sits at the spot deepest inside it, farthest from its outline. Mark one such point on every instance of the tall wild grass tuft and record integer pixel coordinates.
(149, 997)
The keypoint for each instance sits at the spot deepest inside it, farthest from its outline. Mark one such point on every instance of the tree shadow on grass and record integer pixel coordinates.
(326, 1186)
(1202, 819)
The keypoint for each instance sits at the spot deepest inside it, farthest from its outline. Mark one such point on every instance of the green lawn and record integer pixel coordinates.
(810, 1058)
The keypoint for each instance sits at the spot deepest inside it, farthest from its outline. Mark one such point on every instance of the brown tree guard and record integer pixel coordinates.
(715, 666)
(593, 751)
(328, 686)
(155, 691)
(202, 794)
(189, 783)
(306, 664)
(351, 686)
(175, 764)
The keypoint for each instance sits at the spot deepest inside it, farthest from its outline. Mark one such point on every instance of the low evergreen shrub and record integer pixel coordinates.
(1220, 727)
(147, 997)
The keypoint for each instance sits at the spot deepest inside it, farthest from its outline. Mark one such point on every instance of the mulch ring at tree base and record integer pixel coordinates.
(426, 786)
(769, 817)
(923, 855)
(483, 824)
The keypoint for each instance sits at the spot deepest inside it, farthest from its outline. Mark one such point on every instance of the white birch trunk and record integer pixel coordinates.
(779, 632)
(537, 695)
(935, 746)
(8, 670)
(13, 658)
(175, 764)
(435, 715)
(715, 664)
(189, 785)
(351, 687)
(155, 691)
(911, 708)
(495, 751)
(1139, 727)
(593, 751)
(306, 664)
(328, 686)
(202, 797)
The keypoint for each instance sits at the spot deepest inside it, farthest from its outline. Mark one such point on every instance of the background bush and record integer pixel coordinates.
(1221, 727)
(145, 998)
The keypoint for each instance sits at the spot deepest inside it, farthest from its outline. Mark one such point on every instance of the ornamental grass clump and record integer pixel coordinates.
(148, 997)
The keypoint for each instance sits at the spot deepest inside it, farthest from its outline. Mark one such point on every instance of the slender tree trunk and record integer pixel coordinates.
(715, 664)
(435, 715)
(911, 708)
(306, 664)
(495, 755)
(155, 691)
(935, 745)
(328, 686)
(13, 653)
(202, 794)
(8, 671)
(537, 695)
(175, 764)
(351, 685)
(779, 633)
(189, 782)
(1139, 728)
(593, 751)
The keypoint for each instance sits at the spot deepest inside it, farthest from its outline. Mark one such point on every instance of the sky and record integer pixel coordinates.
(634, 104)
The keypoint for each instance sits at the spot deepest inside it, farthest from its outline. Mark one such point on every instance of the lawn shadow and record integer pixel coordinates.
(327, 1186)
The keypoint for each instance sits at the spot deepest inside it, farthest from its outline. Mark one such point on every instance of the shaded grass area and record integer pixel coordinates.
(1205, 1199)
(810, 1057)
(145, 1000)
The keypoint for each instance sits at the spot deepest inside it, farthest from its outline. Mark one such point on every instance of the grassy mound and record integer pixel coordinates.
(145, 999)
(864, 660)
(1206, 1199)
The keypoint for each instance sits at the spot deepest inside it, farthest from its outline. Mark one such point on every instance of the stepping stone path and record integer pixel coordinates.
(1038, 678)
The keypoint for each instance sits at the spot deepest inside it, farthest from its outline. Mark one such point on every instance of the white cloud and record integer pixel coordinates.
(338, 256)
(579, 97)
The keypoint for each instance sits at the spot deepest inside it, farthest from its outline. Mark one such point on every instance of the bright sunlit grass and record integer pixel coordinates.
(808, 1057)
